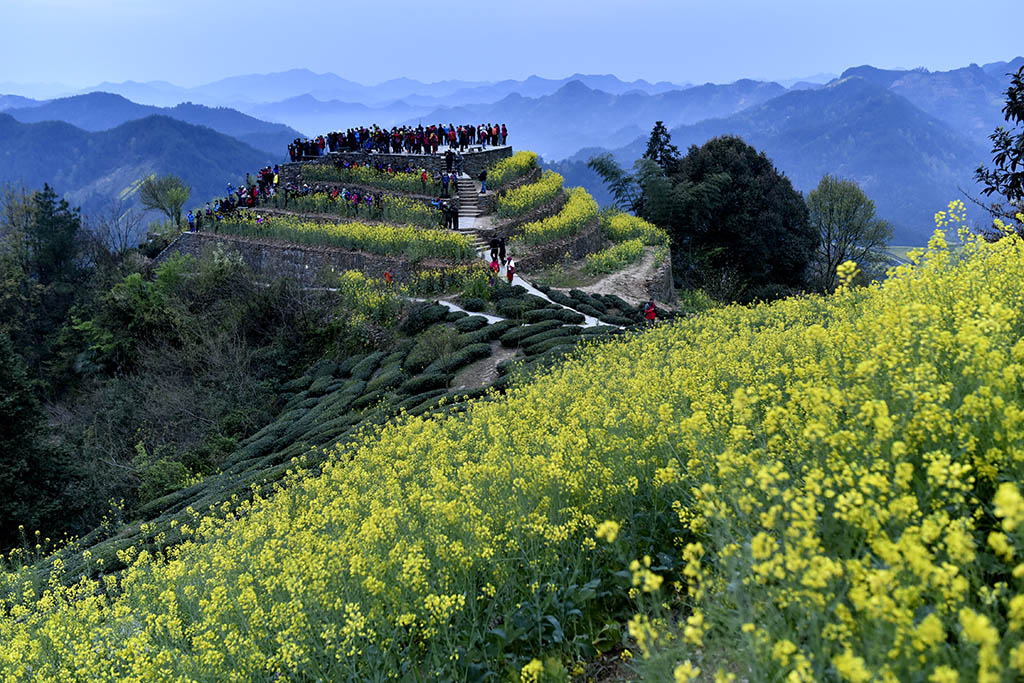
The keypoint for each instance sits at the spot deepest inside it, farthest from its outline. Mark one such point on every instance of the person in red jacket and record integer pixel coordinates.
(495, 269)
(650, 312)
(504, 133)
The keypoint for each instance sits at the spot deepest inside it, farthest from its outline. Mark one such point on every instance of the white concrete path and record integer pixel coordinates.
(491, 319)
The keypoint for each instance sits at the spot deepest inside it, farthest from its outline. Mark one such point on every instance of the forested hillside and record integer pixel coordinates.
(104, 166)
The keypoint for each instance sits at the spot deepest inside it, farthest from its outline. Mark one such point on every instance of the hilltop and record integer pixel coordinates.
(102, 111)
(97, 168)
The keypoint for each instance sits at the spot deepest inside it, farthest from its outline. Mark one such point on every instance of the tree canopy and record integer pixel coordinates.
(1006, 177)
(660, 149)
(738, 227)
(166, 194)
(848, 229)
(27, 475)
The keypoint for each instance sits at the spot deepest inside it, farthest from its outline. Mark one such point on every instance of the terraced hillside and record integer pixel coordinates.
(456, 335)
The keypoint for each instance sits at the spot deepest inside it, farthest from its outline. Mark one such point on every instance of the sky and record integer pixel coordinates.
(190, 42)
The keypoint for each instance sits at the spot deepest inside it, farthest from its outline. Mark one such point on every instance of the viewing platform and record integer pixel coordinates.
(474, 160)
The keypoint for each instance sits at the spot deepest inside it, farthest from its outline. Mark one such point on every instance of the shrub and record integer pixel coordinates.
(540, 314)
(365, 368)
(512, 308)
(565, 330)
(390, 376)
(455, 316)
(561, 298)
(471, 324)
(424, 383)
(369, 400)
(422, 315)
(462, 357)
(438, 343)
(472, 303)
(489, 333)
(514, 336)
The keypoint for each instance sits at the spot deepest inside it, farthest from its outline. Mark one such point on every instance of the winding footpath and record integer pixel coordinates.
(467, 224)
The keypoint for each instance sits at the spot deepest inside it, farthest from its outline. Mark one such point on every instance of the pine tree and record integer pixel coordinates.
(660, 149)
(27, 476)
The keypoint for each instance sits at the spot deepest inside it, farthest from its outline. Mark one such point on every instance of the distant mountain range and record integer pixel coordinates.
(93, 168)
(910, 163)
(577, 116)
(101, 111)
(911, 138)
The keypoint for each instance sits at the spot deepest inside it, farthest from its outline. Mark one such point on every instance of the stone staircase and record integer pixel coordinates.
(479, 243)
(469, 209)
(468, 197)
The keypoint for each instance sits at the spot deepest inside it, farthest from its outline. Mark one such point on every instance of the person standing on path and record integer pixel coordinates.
(483, 181)
(496, 249)
(510, 268)
(650, 313)
(495, 269)
(501, 250)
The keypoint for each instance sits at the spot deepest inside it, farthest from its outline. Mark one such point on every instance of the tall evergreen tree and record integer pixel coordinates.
(660, 149)
(53, 237)
(28, 478)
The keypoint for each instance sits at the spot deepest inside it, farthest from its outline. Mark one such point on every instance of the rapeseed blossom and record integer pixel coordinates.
(815, 482)
(580, 210)
(411, 241)
(528, 197)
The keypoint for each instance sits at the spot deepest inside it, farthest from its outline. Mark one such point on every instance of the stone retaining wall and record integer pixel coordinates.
(301, 262)
(472, 162)
(511, 226)
(536, 257)
(660, 285)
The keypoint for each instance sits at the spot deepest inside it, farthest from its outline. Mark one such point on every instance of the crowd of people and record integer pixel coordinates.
(263, 190)
(401, 140)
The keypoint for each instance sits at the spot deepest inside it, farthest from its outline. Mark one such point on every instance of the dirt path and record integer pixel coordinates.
(484, 372)
(630, 283)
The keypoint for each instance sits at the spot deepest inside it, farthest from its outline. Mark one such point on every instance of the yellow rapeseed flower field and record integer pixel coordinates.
(620, 227)
(579, 211)
(615, 257)
(409, 240)
(824, 488)
(511, 168)
(528, 197)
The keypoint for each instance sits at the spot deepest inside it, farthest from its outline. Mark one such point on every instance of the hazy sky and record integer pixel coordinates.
(189, 42)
